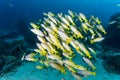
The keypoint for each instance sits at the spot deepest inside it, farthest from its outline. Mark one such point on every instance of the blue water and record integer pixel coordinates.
(12, 11)
(17, 14)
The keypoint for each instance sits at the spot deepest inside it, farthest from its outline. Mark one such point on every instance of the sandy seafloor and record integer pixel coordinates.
(27, 71)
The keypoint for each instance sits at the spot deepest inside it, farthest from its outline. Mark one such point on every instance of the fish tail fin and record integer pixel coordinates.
(63, 71)
(71, 51)
(92, 42)
(70, 58)
(81, 36)
(94, 68)
(105, 32)
(94, 73)
(89, 56)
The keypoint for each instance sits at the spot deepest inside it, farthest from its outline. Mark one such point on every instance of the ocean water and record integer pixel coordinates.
(13, 11)
(15, 18)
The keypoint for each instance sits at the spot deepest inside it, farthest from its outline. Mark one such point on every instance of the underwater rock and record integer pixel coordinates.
(2, 62)
(9, 35)
(10, 59)
(12, 48)
(113, 64)
(11, 40)
(113, 29)
(7, 63)
(29, 37)
(9, 67)
(110, 60)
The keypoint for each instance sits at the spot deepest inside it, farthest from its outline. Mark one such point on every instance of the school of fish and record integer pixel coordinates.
(61, 37)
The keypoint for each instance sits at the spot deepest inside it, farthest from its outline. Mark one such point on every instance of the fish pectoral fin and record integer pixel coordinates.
(94, 73)
(93, 68)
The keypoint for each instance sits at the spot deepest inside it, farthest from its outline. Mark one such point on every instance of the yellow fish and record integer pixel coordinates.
(54, 57)
(57, 66)
(92, 32)
(97, 20)
(52, 19)
(41, 39)
(86, 73)
(39, 67)
(79, 67)
(79, 35)
(80, 52)
(40, 52)
(41, 48)
(74, 45)
(97, 40)
(76, 76)
(63, 25)
(52, 49)
(83, 17)
(54, 40)
(67, 47)
(50, 13)
(84, 26)
(71, 13)
(98, 34)
(38, 32)
(64, 36)
(70, 63)
(67, 55)
(83, 48)
(45, 46)
(30, 56)
(49, 30)
(89, 62)
(65, 21)
(90, 49)
(48, 39)
(34, 25)
(69, 18)
(70, 68)
(46, 21)
(53, 26)
(100, 27)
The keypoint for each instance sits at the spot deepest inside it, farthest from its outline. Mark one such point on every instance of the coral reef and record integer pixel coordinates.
(110, 59)
(13, 45)
(111, 45)
(10, 51)
(112, 65)
(63, 37)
